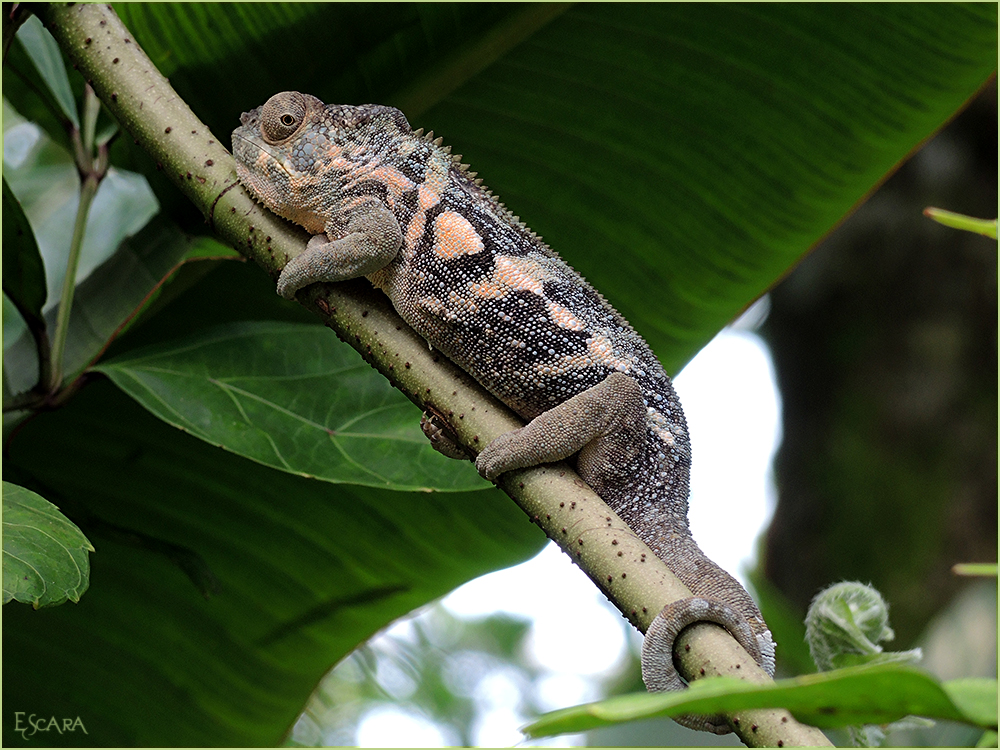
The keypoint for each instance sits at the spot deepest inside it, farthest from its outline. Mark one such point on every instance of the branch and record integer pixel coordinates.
(552, 496)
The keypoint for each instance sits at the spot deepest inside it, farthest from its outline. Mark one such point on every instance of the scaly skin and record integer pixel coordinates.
(397, 207)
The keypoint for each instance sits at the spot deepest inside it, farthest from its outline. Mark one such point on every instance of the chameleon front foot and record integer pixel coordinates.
(371, 240)
(658, 670)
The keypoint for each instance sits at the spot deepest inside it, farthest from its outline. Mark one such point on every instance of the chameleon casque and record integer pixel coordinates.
(395, 206)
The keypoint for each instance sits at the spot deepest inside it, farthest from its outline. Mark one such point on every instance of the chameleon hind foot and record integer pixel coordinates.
(605, 423)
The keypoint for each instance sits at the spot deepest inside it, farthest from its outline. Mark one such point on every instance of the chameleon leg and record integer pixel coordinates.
(441, 437)
(658, 670)
(370, 242)
(605, 423)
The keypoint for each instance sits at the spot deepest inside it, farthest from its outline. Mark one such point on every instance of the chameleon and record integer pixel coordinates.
(396, 206)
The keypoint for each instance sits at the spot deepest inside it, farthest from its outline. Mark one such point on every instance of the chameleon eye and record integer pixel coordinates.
(282, 116)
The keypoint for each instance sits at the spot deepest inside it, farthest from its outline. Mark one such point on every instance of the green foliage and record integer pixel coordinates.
(702, 148)
(870, 694)
(845, 624)
(47, 59)
(239, 583)
(317, 413)
(115, 292)
(45, 558)
(23, 272)
(434, 668)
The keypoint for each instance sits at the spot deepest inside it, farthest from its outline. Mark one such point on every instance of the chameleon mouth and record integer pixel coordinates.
(254, 144)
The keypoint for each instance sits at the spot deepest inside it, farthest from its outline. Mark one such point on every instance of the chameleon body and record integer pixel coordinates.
(397, 207)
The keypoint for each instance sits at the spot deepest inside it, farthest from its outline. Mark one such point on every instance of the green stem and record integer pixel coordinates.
(985, 227)
(87, 192)
(92, 168)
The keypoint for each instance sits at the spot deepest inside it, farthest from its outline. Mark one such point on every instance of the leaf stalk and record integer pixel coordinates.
(92, 167)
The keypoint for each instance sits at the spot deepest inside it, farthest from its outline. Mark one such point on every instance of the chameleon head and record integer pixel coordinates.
(295, 153)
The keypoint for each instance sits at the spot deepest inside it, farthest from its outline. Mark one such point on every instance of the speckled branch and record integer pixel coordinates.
(553, 496)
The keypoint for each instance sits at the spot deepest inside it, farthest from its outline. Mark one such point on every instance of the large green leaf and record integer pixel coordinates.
(45, 558)
(222, 590)
(702, 147)
(287, 396)
(387, 47)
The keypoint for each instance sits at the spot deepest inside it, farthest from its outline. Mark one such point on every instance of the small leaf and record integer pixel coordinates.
(857, 695)
(44, 53)
(289, 396)
(23, 272)
(45, 558)
(883, 657)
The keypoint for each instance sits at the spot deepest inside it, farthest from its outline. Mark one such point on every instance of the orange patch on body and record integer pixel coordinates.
(563, 318)
(414, 231)
(333, 157)
(513, 274)
(428, 195)
(454, 236)
(602, 351)
(599, 352)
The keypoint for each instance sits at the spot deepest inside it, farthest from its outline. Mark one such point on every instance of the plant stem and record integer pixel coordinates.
(92, 168)
(985, 227)
(87, 192)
